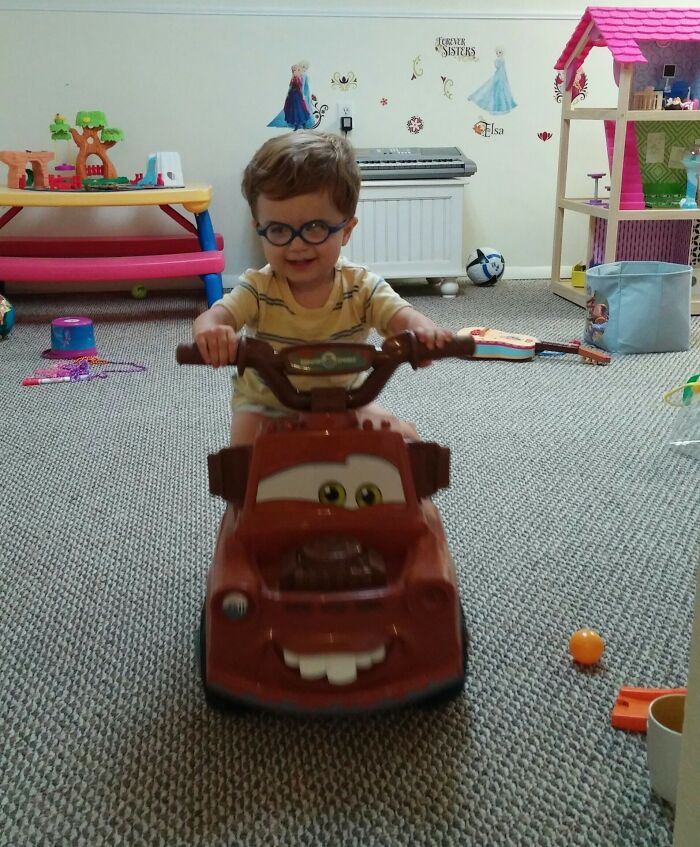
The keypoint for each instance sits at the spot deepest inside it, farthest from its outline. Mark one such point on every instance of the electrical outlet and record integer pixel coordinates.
(345, 120)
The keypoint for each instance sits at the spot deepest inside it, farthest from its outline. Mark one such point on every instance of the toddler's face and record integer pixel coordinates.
(303, 265)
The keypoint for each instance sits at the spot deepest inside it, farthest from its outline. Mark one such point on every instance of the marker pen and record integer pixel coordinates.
(33, 380)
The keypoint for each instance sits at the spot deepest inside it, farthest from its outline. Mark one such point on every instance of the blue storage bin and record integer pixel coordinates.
(638, 307)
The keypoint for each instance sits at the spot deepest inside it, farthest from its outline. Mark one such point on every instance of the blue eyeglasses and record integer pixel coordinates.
(312, 232)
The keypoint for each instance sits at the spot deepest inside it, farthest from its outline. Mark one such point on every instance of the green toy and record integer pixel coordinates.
(690, 388)
(93, 137)
(7, 317)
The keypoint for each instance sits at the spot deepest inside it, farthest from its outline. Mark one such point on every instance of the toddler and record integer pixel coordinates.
(302, 189)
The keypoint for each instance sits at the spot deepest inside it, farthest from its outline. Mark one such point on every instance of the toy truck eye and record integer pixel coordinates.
(332, 493)
(368, 494)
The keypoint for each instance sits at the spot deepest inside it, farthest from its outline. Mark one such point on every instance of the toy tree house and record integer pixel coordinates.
(653, 50)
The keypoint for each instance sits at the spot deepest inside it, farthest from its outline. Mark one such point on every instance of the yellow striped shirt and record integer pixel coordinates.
(263, 304)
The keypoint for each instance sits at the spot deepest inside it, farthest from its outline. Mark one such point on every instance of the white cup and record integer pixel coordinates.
(664, 732)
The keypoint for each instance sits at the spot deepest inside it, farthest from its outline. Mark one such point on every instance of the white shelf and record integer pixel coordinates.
(622, 116)
(588, 114)
(663, 115)
(582, 205)
(566, 290)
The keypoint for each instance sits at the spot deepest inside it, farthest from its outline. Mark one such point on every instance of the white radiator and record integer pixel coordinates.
(410, 229)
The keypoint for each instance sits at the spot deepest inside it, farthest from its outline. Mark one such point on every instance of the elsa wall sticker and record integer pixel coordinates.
(297, 112)
(494, 95)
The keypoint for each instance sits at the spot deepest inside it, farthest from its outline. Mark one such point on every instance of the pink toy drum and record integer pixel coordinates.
(71, 338)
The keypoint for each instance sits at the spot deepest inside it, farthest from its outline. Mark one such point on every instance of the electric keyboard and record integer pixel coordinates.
(413, 163)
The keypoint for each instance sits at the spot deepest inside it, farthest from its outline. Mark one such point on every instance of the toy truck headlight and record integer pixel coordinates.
(235, 605)
(431, 598)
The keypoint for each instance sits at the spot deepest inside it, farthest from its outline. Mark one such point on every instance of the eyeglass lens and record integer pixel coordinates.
(313, 232)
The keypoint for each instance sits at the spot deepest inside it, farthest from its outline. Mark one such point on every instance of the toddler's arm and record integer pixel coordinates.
(214, 333)
(425, 329)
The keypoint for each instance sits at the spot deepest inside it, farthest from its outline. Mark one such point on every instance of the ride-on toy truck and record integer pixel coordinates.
(332, 588)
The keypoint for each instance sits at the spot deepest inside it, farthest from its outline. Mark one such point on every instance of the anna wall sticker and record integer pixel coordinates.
(494, 95)
(297, 112)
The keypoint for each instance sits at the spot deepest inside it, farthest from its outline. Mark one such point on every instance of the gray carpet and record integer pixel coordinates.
(566, 510)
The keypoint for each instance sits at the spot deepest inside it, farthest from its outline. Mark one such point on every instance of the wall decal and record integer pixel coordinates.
(458, 47)
(414, 124)
(486, 129)
(544, 136)
(494, 95)
(317, 111)
(344, 81)
(384, 101)
(579, 88)
(298, 109)
(447, 84)
(417, 70)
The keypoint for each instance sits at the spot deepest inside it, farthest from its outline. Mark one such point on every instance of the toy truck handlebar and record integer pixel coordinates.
(332, 358)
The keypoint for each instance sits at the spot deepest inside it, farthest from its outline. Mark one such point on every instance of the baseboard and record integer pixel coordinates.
(517, 272)
(178, 284)
(173, 284)
(193, 284)
(532, 272)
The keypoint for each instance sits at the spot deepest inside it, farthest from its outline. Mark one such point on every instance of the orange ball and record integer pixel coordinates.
(586, 646)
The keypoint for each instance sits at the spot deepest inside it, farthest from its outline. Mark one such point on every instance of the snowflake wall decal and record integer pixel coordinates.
(414, 124)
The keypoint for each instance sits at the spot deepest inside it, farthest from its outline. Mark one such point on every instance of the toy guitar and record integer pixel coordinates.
(492, 344)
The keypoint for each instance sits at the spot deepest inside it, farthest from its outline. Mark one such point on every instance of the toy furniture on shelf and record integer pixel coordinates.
(624, 227)
(647, 99)
(35, 259)
(17, 161)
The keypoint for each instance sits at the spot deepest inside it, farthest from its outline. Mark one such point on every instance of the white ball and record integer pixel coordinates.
(485, 266)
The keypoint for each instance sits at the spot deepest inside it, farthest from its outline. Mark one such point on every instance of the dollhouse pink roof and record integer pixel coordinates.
(621, 30)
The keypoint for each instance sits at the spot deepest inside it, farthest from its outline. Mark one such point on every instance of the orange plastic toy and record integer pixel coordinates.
(631, 709)
(586, 646)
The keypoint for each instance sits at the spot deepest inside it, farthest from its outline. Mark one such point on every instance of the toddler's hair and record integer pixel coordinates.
(304, 162)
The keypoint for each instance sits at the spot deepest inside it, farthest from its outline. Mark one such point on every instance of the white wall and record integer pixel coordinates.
(205, 78)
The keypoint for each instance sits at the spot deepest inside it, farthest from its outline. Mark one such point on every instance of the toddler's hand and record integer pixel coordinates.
(217, 345)
(435, 336)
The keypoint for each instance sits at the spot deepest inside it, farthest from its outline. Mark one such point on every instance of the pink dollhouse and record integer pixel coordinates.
(625, 32)
(656, 66)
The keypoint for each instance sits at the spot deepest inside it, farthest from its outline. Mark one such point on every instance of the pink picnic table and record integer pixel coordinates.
(115, 257)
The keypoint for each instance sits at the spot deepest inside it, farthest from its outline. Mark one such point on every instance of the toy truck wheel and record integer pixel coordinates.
(213, 698)
(454, 690)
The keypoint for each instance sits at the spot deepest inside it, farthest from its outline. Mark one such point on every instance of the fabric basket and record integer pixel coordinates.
(638, 307)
